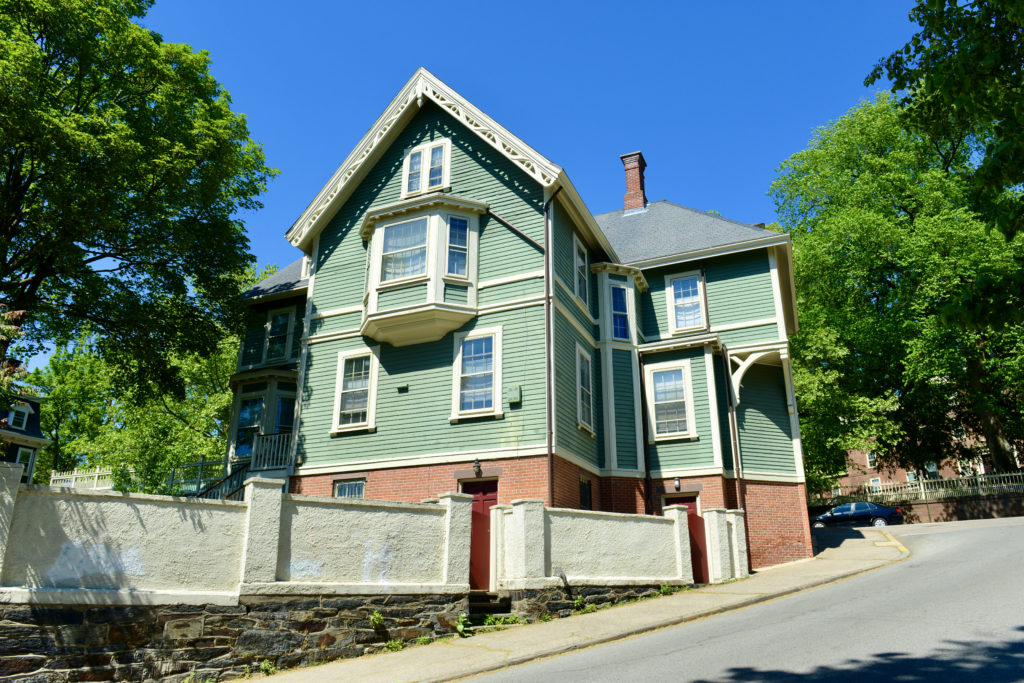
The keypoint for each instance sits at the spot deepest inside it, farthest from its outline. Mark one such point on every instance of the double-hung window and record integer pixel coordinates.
(620, 313)
(458, 247)
(356, 390)
(584, 390)
(27, 459)
(404, 251)
(17, 418)
(250, 418)
(279, 327)
(426, 168)
(582, 273)
(476, 384)
(685, 302)
(669, 392)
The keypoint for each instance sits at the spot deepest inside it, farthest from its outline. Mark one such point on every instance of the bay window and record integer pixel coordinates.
(404, 250)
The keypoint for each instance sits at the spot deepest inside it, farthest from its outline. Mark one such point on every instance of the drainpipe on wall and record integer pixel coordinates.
(549, 356)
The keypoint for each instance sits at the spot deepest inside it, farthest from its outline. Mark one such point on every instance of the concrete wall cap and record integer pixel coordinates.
(527, 501)
(264, 481)
(456, 496)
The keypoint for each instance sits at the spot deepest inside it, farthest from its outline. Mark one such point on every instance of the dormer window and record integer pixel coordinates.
(426, 168)
(17, 418)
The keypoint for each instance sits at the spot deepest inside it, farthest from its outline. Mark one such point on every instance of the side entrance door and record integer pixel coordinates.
(485, 496)
(698, 539)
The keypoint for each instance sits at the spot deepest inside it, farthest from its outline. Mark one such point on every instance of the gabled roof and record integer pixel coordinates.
(288, 279)
(425, 86)
(664, 229)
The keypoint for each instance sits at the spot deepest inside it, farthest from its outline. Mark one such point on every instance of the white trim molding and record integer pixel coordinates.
(370, 424)
(526, 450)
(497, 397)
(582, 353)
(687, 378)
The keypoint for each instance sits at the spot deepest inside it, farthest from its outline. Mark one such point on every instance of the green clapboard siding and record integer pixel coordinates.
(625, 420)
(511, 291)
(478, 171)
(416, 422)
(766, 442)
(348, 322)
(569, 436)
(455, 294)
(564, 255)
(749, 335)
(653, 315)
(407, 296)
(699, 452)
(739, 288)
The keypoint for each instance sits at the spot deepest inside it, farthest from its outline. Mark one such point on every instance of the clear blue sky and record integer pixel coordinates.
(715, 94)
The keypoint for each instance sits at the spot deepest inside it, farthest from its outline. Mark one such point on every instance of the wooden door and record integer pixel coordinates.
(485, 495)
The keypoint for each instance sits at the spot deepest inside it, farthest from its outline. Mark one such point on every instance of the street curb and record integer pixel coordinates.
(674, 621)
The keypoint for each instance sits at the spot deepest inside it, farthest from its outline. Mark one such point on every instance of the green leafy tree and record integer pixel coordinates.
(122, 173)
(882, 245)
(964, 71)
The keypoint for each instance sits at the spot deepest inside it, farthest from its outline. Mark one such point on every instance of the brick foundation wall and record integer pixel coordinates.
(519, 478)
(622, 494)
(778, 529)
(716, 491)
(567, 485)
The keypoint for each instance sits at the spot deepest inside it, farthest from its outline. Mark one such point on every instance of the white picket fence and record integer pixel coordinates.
(99, 478)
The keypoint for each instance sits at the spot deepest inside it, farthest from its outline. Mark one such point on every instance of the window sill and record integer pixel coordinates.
(389, 285)
(336, 431)
(682, 331)
(586, 428)
(464, 417)
(673, 437)
(428, 191)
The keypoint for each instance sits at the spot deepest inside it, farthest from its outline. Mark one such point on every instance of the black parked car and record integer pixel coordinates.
(859, 514)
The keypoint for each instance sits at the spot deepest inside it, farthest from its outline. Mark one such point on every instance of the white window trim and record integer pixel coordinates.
(445, 240)
(23, 408)
(446, 143)
(288, 341)
(31, 466)
(498, 402)
(578, 246)
(588, 427)
(371, 396)
(670, 301)
(875, 484)
(691, 422)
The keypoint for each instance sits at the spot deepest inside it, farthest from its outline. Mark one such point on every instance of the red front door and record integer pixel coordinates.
(485, 495)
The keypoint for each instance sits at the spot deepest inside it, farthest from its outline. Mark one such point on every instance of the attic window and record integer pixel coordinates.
(426, 168)
(18, 417)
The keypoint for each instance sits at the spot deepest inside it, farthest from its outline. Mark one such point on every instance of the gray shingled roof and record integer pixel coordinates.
(665, 229)
(285, 280)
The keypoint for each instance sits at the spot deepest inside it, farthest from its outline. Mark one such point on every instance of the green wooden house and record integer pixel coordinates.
(461, 321)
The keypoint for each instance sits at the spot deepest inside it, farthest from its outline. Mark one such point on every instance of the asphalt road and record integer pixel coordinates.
(953, 611)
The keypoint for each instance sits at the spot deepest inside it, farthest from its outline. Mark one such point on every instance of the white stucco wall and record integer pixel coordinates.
(60, 538)
(608, 545)
(329, 540)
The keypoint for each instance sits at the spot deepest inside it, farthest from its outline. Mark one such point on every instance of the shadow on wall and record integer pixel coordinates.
(954, 661)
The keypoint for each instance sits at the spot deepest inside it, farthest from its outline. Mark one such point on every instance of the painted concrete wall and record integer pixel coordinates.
(589, 548)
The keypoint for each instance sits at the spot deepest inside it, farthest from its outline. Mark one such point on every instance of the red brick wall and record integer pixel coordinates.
(520, 478)
(622, 494)
(567, 485)
(713, 495)
(777, 526)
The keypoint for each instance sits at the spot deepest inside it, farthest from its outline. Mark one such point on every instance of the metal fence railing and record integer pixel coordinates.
(926, 489)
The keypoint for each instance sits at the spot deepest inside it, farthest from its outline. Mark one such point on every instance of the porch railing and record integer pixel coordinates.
(271, 452)
(99, 478)
(929, 489)
(193, 477)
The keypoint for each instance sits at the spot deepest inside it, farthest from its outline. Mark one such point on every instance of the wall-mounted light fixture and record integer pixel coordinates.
(676, 482)
(477, 470)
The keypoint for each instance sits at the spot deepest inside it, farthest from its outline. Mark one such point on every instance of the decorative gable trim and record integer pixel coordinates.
(422, 85)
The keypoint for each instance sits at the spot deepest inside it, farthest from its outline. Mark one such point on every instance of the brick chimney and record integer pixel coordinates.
(635, 197)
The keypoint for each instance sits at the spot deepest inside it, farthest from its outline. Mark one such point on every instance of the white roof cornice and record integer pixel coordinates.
(422, 85)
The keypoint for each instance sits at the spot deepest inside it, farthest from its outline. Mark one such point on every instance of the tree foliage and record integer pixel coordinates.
(122, 173)
(964, 71)
(882, 244)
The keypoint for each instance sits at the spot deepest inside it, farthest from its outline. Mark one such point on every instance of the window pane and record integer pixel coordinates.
(277, 338)
(458, 234)
(582, 277)
(436, 166)
(349, 489)
(250, 414)
(686, 295)
(415, 163)
(25, 456)
(618, 299)
(476, 383)
(285, 415)
(670, 417)
(355, 391)
(405, 250)
(19, 419)
(669, 401)
(620, 317)
(586, 410)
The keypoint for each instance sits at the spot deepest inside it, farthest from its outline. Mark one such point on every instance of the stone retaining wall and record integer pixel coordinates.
(562, 602)
(62, 643)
